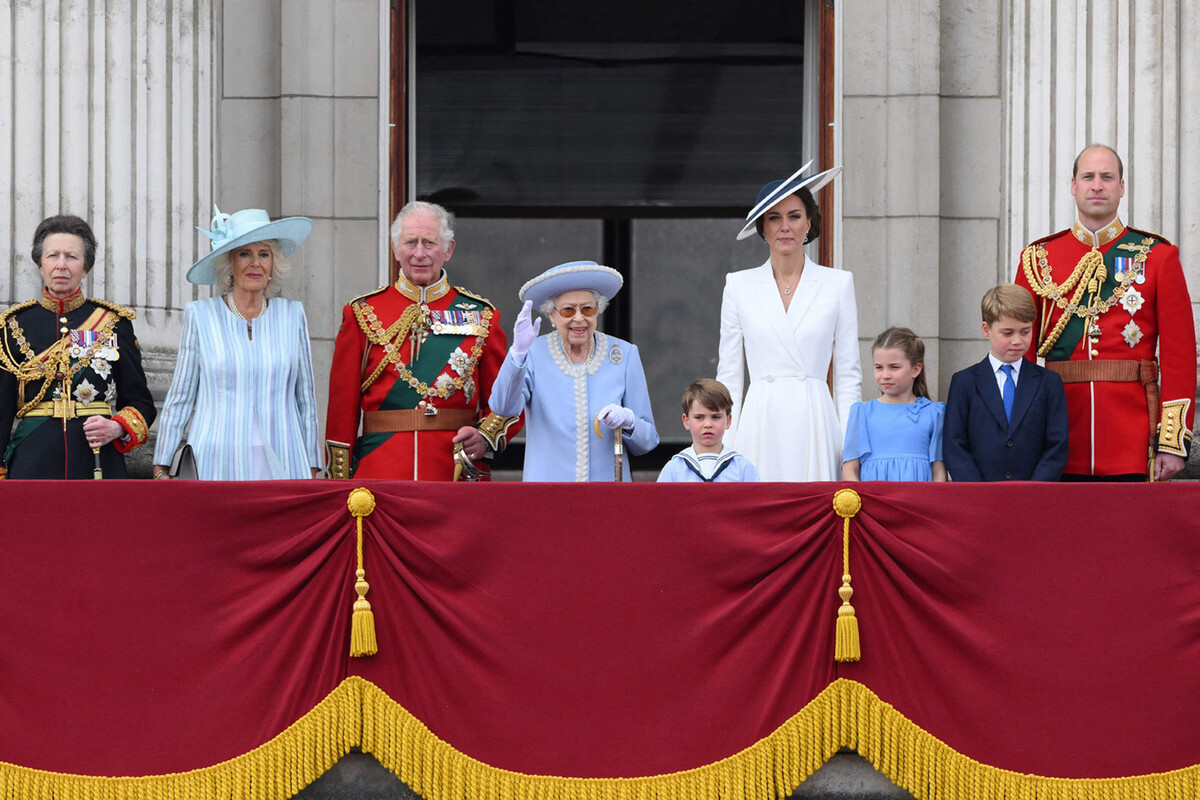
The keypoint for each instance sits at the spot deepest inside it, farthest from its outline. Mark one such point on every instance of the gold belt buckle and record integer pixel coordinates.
(64, 408)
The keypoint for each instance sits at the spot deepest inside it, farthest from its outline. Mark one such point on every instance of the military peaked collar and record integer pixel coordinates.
(423, 294)
(1109, 233)
(61, 305)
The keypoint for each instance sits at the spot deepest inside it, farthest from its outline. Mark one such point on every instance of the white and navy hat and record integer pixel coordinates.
(775, 191)
(571, 277)
(250, 225)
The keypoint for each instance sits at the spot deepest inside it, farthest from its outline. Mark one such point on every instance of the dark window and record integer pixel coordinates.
(627, 104)
(635, 133)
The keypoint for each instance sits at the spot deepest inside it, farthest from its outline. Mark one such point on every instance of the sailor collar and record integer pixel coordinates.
(423, 294)
(61, 305)
(1109, 233)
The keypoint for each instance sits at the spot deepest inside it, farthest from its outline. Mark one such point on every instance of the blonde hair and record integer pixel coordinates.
(1007, 300)
(910, 344)
(223, 268)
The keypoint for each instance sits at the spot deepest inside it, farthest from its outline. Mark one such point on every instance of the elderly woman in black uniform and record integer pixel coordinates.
(70, 370)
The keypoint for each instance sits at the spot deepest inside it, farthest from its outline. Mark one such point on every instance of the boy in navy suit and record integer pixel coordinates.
(1006, 417)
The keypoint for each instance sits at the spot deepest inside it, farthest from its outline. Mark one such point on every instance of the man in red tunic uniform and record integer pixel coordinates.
(415, 361)
(1110, 299)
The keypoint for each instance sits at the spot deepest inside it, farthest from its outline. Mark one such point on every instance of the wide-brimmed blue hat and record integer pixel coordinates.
(570, 277)
(775, 191)
(250, 225)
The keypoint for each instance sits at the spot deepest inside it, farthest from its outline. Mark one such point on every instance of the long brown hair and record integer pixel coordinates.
(910, 344)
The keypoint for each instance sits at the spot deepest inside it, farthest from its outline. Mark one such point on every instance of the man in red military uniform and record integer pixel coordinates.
(416, 361)
(1110, 299)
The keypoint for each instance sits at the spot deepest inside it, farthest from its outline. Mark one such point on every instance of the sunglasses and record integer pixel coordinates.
(569, 311)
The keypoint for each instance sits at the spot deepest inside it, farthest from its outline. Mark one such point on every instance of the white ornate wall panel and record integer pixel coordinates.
(106, 111)
(1121, 72)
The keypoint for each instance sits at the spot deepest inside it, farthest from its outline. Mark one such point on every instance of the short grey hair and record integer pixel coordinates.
(445, 220)
(548, 307)
(223, 268)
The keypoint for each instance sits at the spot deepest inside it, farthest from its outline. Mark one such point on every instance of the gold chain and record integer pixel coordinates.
(1090, 273)
(391, 338)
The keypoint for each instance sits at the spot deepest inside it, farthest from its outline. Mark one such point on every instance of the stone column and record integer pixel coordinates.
(891, 185)
(110, 119)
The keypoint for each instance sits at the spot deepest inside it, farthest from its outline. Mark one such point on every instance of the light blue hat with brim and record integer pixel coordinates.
(773, 192)
(250, 225)
(572, 277)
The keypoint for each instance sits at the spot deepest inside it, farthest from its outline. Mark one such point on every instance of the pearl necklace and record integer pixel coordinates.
(567, 353)
(262, 309)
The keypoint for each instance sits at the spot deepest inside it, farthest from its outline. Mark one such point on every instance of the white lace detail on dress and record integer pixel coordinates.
(580, 373)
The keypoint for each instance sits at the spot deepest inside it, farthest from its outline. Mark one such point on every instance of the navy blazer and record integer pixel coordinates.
(980, 445)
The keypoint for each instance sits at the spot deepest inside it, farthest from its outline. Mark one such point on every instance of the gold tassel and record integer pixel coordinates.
(362, 621)
(846, 503)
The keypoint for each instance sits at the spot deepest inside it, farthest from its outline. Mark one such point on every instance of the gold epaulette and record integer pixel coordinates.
(1162, 239)
(371, 293)
(474, 296)
(8, 312)
(1048, 238)
(124, 312)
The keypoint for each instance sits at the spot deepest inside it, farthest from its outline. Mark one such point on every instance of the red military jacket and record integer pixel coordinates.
(1119, 293)
(434, 349)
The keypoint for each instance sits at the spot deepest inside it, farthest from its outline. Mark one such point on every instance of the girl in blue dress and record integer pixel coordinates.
(897, 437)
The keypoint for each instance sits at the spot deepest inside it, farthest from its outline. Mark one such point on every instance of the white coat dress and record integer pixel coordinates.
(785, 421)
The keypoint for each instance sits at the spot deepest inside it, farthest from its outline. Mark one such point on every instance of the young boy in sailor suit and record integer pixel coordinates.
(707, 411)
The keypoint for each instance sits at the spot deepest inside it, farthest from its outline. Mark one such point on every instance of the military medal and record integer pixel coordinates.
(1121, 265)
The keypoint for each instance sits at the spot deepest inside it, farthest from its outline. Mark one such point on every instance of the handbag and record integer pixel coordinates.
(183, 463)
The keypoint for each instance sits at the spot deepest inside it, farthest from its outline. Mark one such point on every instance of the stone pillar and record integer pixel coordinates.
(891, 191)
(110, 119)
(972, 179)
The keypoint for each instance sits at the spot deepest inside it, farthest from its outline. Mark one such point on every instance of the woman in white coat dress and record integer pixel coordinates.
(790, 319)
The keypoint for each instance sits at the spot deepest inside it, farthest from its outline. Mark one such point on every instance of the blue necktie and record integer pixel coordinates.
(1010, 390)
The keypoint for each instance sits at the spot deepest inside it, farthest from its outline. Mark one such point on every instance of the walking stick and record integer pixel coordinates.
(618, 447)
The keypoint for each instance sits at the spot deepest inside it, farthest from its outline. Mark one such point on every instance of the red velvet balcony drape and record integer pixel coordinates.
(601, 631)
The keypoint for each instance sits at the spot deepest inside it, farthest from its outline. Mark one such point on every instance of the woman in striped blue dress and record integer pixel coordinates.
(243, 394)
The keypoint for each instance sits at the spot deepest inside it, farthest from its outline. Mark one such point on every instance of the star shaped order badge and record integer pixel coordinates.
(1132, 333)
(1132, 300)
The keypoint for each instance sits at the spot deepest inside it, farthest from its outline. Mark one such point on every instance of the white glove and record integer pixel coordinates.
(525, 331)
(616, 417)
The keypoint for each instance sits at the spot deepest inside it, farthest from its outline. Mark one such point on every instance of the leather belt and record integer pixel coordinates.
(1116, 370)
(1108, 369)
(68, 410)
(400, 420)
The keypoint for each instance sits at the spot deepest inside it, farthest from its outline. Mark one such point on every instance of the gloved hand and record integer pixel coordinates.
(616, 417)
(525, 331)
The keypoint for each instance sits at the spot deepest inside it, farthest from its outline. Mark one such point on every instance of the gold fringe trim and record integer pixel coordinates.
(845, 715)
(276, 770)
(358, 713)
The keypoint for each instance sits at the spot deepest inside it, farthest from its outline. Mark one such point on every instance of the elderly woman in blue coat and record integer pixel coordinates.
(573, 376)
(243, 392)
